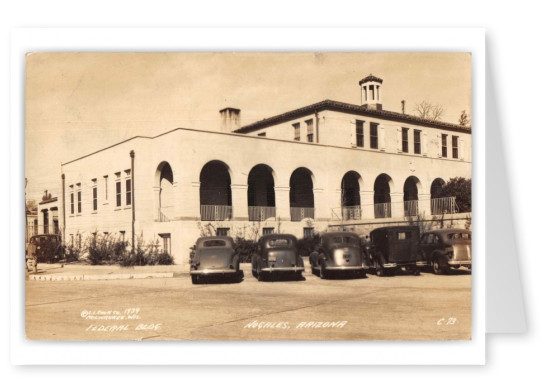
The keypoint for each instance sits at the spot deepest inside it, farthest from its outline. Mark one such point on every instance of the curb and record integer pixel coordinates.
(97, 277)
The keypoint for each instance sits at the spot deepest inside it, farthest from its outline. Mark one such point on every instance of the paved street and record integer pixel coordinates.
(400, 307)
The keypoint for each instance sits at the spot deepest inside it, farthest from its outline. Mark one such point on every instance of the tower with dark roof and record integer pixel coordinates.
(371, 92)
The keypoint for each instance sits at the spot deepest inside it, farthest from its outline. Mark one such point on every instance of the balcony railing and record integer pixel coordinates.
(383, 210)
(352, 212)
(411, 208)
(443, 205)
(298, 214)
(216, 212)
(261, 213)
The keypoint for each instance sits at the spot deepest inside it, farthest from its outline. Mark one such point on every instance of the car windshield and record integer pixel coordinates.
(344, 240)
(279, 242)
(459, 236)
(215, 243)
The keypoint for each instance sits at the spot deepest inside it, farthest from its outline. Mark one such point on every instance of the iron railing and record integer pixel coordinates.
(411, 208)
(443, 205)
(298, 214)
(352, 212)
(382, 210)
(261, 213)
(216, 212)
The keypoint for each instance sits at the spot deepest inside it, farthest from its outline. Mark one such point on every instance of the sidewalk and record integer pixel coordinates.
(83, 271)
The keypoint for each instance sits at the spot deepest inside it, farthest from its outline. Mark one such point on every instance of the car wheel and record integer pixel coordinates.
(194, 279)
(380, 270)
(322, 273)
(298, 276)
(436, 267)
(259, 275)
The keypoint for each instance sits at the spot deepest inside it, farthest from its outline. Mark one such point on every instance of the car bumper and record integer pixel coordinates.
(463, 262)
(345, 268)
(213, 271)
(421, 263)
(282, 269)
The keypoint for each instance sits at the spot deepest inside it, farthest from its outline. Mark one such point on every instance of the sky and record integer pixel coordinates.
(76, 103)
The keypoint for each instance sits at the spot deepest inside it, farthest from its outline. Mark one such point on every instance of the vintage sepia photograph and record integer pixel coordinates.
(248, 196)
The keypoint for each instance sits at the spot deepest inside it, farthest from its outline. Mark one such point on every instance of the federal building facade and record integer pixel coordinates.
(299, 172)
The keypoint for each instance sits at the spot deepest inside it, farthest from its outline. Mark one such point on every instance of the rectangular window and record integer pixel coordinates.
(94, 198)
(373, 135)
(106, 181)
(417, 142)
(166, 243)
(308, 233)
(267, 231)
(310, 131)
(455, 150)
(444, 145)
(359, 133)
(222, 231)
(118, 192)
(405, 146)
(297, 131)
(128, 191)
(72, 203)
(79, 202)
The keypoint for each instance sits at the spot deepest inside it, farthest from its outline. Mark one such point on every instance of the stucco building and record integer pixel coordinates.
(298, 172)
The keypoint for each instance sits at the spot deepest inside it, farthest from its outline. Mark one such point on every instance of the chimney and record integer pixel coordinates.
(403, 107)
(230, 119)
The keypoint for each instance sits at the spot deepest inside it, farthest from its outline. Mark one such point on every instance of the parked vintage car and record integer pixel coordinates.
(394, 248)
(215, 255)
(46, 248)
(339, 252)
(446, 248)
(277, 254)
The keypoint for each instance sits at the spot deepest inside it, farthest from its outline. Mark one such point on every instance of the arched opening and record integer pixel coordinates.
(381, 197)
(261, 193)
(215, 192)
(411, 196)
(164, 182)
(438, 203)
(350, 196)
(301, 194)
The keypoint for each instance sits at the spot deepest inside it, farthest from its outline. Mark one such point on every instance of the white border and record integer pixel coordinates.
(288, 353)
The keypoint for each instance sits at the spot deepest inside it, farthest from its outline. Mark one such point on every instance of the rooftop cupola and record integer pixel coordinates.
(371, 92)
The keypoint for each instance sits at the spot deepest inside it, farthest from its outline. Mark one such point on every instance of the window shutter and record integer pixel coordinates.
(399, 139)
(381, 136)
(439, 154)
(424, 143)
(353, 133)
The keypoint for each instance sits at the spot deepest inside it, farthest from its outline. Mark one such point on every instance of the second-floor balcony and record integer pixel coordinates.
(351, 212)
(261, 213)
(443, 205)
(411, 208)
(383, 210)
(216, 212)
(299, 214)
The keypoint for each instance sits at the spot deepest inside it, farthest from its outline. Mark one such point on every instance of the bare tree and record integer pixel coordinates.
(427, 110)
(464, 119)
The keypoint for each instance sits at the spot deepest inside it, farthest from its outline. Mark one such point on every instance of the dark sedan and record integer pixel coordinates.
(446, 248)
(339, 252)
(277, 254)
(215, 255)
(394, 248)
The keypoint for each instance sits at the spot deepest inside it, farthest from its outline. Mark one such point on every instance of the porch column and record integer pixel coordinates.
(322, 211)
(240, 211)
(283, 206)
(368, 210)
(423, 205)
(397, 200)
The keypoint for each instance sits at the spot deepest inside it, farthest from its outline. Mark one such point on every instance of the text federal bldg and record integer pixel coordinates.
(298, 172)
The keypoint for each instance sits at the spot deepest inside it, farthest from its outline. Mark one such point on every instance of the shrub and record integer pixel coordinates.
(72, 254)
(306, 245)
(244, 248)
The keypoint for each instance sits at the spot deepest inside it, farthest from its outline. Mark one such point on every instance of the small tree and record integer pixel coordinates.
(427, 110)
(464, 119)
(460, 188)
